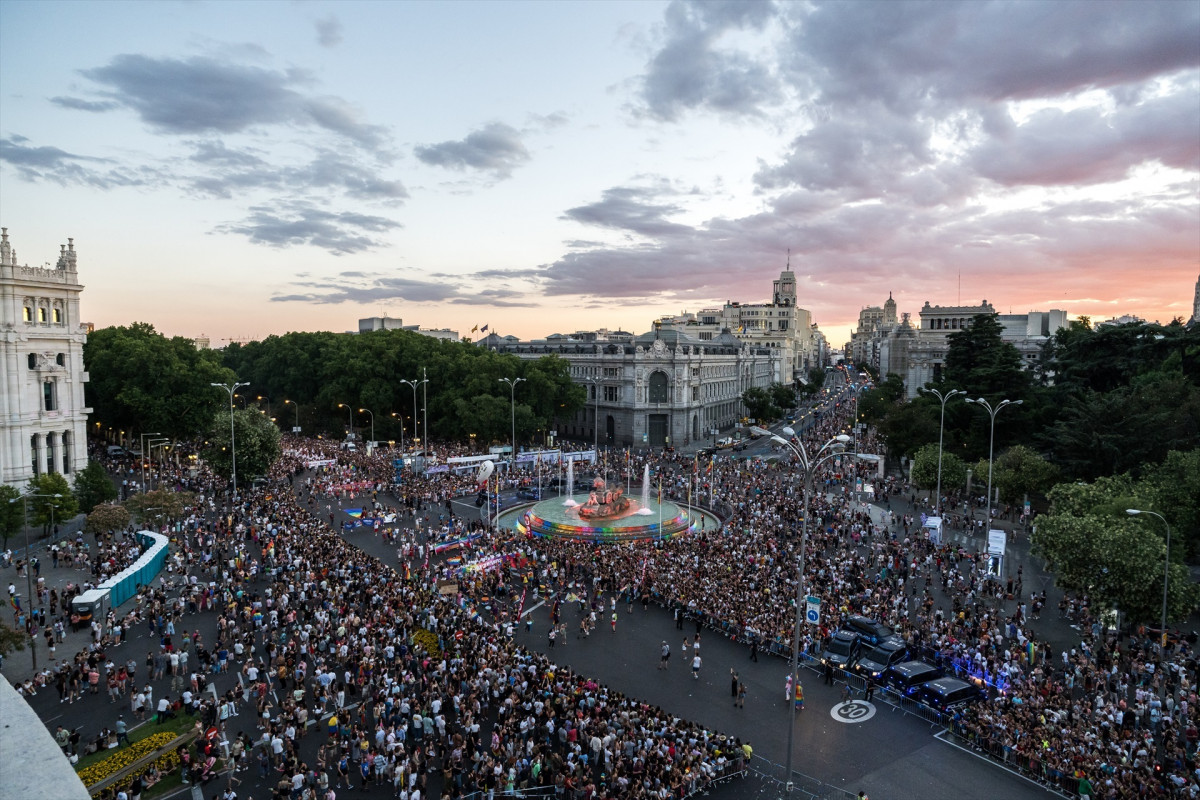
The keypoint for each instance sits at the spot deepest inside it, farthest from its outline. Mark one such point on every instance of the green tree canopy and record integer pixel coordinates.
(93, 487)
(162, 504)
(12, 515)
(759, 404)
(978, 360)
(107, 518)
(143, 381)
(56, 503)
(257, 444)
(925, 465)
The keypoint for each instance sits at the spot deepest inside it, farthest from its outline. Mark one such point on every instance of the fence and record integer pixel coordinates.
(1028, 765)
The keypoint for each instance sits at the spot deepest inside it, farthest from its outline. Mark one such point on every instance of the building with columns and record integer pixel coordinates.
(43, 419)
(657, 389)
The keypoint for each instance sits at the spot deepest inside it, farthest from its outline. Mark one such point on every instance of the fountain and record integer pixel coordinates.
(570, 501)
(645, 509)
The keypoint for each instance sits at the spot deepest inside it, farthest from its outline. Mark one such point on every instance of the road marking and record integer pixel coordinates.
(852, 711)
(535, 608)
(991, 761)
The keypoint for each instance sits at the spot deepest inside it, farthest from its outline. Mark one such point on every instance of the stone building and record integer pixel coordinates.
(657, 389)
(43, 420)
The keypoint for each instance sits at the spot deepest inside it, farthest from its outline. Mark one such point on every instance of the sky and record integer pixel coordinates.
(237, 169)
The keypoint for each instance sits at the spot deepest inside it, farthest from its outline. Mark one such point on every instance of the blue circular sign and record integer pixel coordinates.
(813, 615)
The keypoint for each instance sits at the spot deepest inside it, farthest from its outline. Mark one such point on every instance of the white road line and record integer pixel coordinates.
(994, 763)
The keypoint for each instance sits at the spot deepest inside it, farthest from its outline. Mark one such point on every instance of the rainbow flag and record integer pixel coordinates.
(354, 512)
(15, 601)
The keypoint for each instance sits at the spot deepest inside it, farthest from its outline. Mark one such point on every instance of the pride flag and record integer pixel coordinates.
(354, 512)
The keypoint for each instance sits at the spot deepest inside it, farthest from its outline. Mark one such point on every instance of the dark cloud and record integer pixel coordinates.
(340, 233)
(629, 209)
(691, 72)
(204, 95)
(359, 287)
(44, 163)
(1088, 145)
(79, 104)
(329, 31)
(495, 148)
(233, 172)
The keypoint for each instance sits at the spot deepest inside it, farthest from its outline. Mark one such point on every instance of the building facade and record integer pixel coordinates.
(659, 389)
(43, 420)
(779, 324)
(367, 324)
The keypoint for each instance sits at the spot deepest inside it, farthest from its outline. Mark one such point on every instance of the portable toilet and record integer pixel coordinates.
(92, 604)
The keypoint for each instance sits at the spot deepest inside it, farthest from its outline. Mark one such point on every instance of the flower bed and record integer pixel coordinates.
(428, 640)
(96, 773)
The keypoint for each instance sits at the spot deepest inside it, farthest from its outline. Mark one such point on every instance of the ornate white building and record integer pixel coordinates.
(42, 415)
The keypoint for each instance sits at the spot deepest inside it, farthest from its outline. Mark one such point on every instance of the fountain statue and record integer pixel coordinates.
(603, 502)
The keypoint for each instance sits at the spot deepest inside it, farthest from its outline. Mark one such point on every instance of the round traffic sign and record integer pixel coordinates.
(853, 711)
(814, 616)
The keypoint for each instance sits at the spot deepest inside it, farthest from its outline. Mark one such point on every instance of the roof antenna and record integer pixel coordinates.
(789, 260)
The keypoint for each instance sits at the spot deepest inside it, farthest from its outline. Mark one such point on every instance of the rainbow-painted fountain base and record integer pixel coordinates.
(553, 519)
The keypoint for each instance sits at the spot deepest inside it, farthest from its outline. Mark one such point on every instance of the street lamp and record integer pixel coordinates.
(297, 407)
(142, 455)
(367, 410)
(242, 398)
(836, 447)
(937, 503)
(149, 445)
(991, 444)
(1162, 644)
(414, 384)
(231, 388)
(29, 570)
(262, 397)
(350, 412)
(512, 390)
(400, 417)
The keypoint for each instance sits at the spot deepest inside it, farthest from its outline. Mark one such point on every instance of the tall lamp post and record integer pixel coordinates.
(142, 455)
(29, 570)
(1162, 644)
(146, 458)
(297, 407)
(400, 417)
(836, 447)
(231, 388)
(992, 411)
(937, 503)
(368, 411)
(414, 384)
(512, 390)
(268, 399)
(350, 416)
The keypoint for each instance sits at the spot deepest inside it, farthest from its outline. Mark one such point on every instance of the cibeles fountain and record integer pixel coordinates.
(607, 515)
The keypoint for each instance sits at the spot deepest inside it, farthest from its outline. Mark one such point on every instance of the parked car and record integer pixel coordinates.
(840, 649)
(529, 493)
(908, 676)
(947, 694)
(874, 662)
(871, 631)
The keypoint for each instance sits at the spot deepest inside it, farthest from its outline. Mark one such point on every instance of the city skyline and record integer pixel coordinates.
(237, 170)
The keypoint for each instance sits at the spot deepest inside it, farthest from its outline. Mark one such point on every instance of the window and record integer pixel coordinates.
(58, 316)
(61, 359)
(659, 391)
(612, 394)
(33, 361)
(48, 395)
(612, 372)
(41, 314)
(28, 312)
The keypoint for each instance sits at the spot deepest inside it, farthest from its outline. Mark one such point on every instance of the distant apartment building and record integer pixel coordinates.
(390, 324)
(43, 419)
(780, 324)
(918, 353)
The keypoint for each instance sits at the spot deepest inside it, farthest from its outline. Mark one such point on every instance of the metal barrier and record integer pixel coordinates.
(803, 786)
(1028, 765)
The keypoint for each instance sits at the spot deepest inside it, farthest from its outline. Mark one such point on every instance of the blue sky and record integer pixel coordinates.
(241, 169)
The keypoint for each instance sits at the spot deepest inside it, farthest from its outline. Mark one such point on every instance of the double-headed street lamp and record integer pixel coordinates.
(231, 388)
(1162, 644)
(992, 411)
(368, 411)
(595, 382)
(512, 390)
(414, 384)
(400, 417)
(29, 570)
(146, 458)
(142, 455)
(937, 503)
(834, 448)
(262, 397)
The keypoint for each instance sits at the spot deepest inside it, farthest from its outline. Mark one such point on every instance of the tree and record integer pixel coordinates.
(759, 404)
(816, 379)
(161, 504)
(12, 514)
(143, 381)
(925, 464)
(257, 443)
(11, 640)
(107, 518)
(57, 503)
(93, 487)
(1174, 487)
(978, 358)
(782, 396)
(1020, 472)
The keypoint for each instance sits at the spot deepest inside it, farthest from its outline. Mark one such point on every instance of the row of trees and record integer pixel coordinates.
(143, 381)
(1109, 421)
